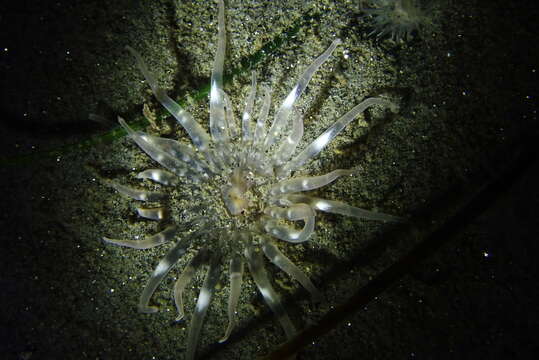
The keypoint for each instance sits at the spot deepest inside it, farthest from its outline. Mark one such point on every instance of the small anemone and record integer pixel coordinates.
(398, 19)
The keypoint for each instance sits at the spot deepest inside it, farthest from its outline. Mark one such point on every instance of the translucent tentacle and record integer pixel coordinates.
(246, 126)
(281, 116)
(256, 157)
(304, 183)
(231, 122)
(247, 113)
(197, 134)
(260, 276)
(278, 258)
(222, 146)
(149, 241)
(204, 298)
(217, 109)
(293, 213)
(260, 130)
(158, 175)
(323, 140)
(236, 276)
(341, 208)
(158, 213)
(288, 146)
(159, 273)
(156, 153)
(185, 277)
(137, 194)
(179, 151)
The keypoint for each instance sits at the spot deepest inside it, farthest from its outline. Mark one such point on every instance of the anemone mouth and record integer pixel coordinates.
(245, 170)
(234, 193)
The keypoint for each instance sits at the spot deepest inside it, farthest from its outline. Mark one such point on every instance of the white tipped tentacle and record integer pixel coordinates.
(201, 307)
(230, 119)
(338, 207)
(236, 276)
(158, 213)
(156, 153)
(260, 276)
(159, 273)
(224, 147)
(257, 159)
(274, 255)
(288, 146)
(295, 212)
(179, 151)
(260, 130)
(149, 241)
(160, 176)
(137, 194)
(217, 103)
(281, 117)
(185, 277)
(323, 140)
(305, 183)
(248, 112)
(198, 135)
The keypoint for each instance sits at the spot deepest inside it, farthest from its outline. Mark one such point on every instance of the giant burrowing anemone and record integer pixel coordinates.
(247, 170)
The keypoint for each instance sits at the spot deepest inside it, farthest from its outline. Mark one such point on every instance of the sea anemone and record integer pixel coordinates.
(232, 192)
(397, 18)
